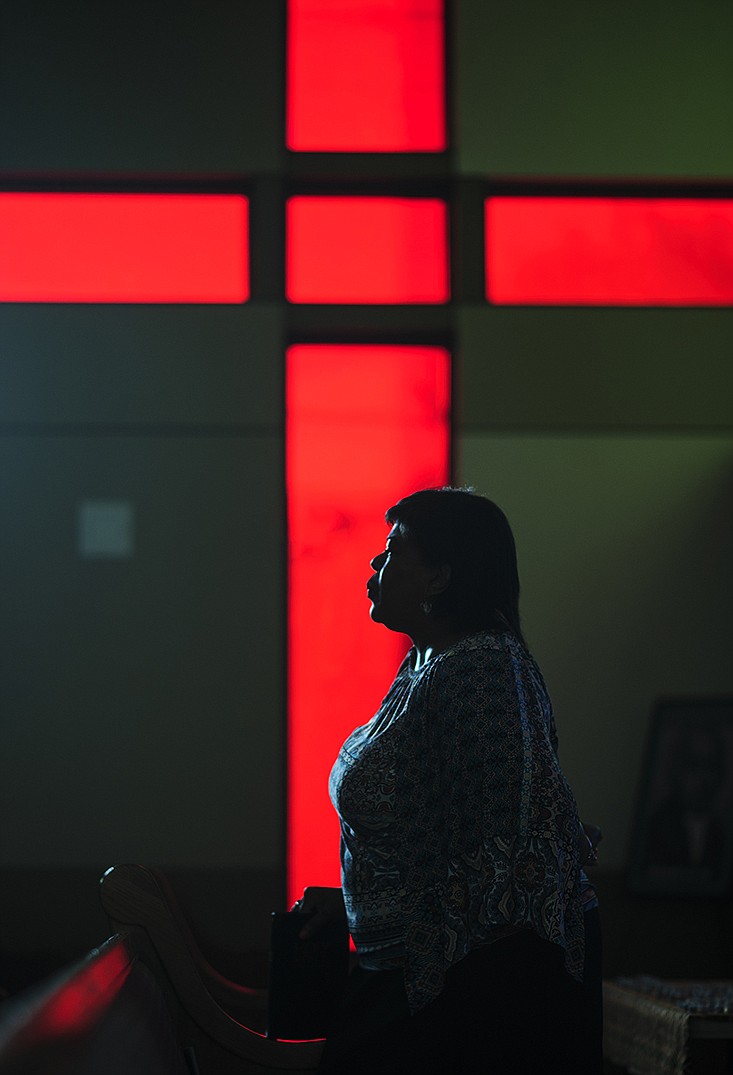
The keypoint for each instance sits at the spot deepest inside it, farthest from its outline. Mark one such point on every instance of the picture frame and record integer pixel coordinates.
(682, 835)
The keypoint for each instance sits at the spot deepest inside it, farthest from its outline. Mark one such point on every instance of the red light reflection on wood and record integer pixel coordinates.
(76, 1005)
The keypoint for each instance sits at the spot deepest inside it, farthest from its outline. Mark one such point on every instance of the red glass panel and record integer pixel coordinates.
(123, 248)
(366, 76)
(365, 426)
(609, 251)
(367, 250)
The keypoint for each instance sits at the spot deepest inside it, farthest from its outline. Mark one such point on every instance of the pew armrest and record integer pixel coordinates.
(140, 896)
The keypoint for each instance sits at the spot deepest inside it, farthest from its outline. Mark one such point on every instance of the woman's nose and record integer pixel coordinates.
(376, 562)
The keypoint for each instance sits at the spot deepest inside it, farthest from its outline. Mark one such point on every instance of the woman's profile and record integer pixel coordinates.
(461, 847)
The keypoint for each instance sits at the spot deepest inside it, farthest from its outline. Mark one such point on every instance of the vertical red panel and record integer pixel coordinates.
(366, 76)
(609, 251)
(123, 248)
(367, 250)
(365, 426)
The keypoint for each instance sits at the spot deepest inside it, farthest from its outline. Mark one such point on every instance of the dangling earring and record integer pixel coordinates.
(427, 607)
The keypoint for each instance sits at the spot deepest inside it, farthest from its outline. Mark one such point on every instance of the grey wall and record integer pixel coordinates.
(142, 697)
(577, 89)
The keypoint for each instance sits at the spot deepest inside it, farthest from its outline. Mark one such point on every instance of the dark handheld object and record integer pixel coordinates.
(307, 978)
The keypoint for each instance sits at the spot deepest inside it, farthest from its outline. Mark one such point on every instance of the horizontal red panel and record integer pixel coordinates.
(367, 250)
(366, 76)
(365, 426)
(609, 251)
(124, 248)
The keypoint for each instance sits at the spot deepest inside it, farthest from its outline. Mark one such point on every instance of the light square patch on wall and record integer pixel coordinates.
(106, 529)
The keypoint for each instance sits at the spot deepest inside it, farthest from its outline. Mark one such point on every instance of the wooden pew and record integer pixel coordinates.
(103, 1014)
(146, 1002)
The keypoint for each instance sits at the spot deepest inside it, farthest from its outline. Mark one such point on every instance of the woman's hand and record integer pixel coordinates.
(589, 838)
(327, 905)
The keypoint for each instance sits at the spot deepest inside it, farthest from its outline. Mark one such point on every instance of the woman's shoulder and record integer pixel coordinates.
(470, 665)
(489, 664)
(492, 647)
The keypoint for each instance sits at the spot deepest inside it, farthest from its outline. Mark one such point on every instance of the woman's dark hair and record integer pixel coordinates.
(472, 535)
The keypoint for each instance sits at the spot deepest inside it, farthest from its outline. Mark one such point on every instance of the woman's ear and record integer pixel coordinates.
(439, 581)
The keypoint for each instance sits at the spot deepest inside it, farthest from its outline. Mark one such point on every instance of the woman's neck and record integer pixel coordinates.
(439, 637)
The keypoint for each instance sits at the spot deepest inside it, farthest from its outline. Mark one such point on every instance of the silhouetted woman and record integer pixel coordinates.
(461, 845)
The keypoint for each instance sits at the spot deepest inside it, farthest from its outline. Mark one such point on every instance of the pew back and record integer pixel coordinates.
(215, 1016)
(145, 1003)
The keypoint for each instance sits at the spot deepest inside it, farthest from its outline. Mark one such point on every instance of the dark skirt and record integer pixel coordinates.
(508, 1007)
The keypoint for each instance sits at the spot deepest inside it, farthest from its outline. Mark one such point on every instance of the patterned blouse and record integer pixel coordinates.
(457, 824)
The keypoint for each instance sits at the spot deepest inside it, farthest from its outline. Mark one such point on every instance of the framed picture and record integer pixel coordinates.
(682, 837)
